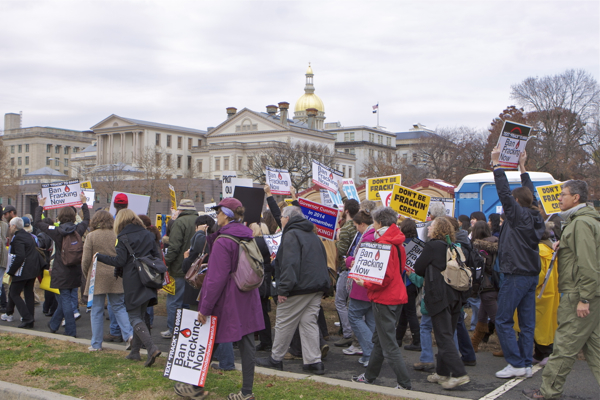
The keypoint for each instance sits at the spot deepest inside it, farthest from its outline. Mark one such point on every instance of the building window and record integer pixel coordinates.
(371, 153)
(57, 149)
(199, 142)
(157, 158)
(239, 163)
(27, 160)
(389, 141)
(189, 163)
(349, 137)
(158, 139)
(12, 149)
(178, 162)
(26, 171)
(66, 163)
(202, 197)
(56, 162)
(414, 157)
(179, 142)
(347, 151)
(168, 160)
(189, 143)
(19, 161)
(66, 149)
(26, 148)
(371, 137)
(379, 139)
(48, 148)
(349, 172)
(75, 149)
(168, 140)
(66, 172)
(199, 163)
(250, 163)
(226, 163)
(217, 163)
(20, 148)
(18, 172)
(47, 160)
(344, 170)
(12, 162)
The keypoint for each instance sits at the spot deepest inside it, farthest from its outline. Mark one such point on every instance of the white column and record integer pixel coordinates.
(134, 141)
(111, 148)
(123, 147)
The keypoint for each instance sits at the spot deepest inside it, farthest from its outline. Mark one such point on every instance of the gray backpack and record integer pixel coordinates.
(250, 270)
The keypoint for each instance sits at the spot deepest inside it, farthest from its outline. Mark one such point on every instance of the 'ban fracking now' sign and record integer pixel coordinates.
(549, 197)
(191, 348)
(512, 142)
(410, 203)
(413, 249)
(371, 262)
(279, 180)
(381, 184)
(324, 218)
(61, 194)
(326, 177)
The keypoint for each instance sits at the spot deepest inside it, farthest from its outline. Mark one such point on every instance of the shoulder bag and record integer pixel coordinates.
(197, 272)
(151, 269)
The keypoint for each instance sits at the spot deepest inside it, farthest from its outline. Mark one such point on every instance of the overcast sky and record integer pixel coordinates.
(71, 64)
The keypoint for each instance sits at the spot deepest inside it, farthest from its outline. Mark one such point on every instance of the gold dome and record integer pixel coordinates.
(309, 100)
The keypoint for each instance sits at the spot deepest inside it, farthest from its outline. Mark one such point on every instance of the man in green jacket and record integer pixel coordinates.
(579, 283)
(180, 237)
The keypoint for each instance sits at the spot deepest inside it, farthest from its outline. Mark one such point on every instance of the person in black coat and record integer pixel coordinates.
(66, 279)
(26, 265)
(198, 246)
(130, 228)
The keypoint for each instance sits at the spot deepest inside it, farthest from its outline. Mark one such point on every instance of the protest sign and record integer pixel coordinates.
(381, 184)
(448, 204)
(169, 287)
(371, 262)
(330, 199)
(90, 302)
(410, 203)
(208, 209)
(325, 218)
(386, 198)
(191, 348)
(350, 189)
(511, 142)
(61, 194)
(279, 180)
(549, 197)
(86, 185)
(325, 177)
(422, 230)
(173, 197)
(288, 201)
(252, 199)
(227, 187)
(273, 242)
(413, 251)
(161, 223)
(138, 203)
(90, 197)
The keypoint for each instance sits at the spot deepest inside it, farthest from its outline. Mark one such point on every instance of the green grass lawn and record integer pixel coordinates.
(68, 368)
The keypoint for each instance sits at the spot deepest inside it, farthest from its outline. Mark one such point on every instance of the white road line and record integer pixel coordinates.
(507, 386)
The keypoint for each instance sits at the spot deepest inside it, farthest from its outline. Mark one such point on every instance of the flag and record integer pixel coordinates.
(375, 108)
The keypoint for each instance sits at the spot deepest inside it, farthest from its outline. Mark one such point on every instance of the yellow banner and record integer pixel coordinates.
(381, 184)
(173, 197)
(549, 197)
(410, 203)
(170, 287)
(288, 201)
(86, 185)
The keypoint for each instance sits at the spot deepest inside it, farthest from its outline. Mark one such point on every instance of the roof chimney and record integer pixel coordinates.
(231, 112)
(283, 112)
(272, 110)
(12, 121)
(312, 113)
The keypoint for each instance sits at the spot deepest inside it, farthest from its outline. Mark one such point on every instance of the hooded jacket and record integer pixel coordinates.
(392, 290)
(301, 261)
(63, 277)
(181, 234)
(521, 232)
(489, 246)
(579, 255)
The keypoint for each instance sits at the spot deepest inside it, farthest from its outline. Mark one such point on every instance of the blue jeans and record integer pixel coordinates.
(115, 330)
(117, 303)
(224, 353)
(426, 342)
(174, 302)
(150, 312)
(463, 341)
(363, 328)
(517, 293)
(65, 310)
(475, 303)
(341, 303)
(75, 301)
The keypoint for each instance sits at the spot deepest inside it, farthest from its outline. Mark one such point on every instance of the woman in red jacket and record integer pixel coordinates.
(387, 300)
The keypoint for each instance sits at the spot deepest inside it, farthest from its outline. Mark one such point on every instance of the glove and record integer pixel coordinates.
(118, 272)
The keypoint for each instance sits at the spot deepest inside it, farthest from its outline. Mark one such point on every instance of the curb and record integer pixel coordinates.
(12, 391)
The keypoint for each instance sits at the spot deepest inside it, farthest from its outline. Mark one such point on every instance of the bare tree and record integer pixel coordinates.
(113, 177)
(296, 158)
(154, 171)
(388, 162)
(8, 182)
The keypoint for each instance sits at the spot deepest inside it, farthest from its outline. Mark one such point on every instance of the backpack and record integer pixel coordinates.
(457, 274)
(72, 249)
(250, 270)
(476, 262)
(497, 276)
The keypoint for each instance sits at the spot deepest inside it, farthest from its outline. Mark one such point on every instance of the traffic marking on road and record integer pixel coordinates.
(508, 386)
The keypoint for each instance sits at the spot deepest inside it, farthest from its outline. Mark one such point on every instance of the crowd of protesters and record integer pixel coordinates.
(516, 295)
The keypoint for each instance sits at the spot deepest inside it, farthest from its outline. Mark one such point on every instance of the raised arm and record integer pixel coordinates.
(273, 206)
(509, 204)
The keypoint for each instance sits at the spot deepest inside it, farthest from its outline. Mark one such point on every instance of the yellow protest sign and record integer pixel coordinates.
(410, 203)
(159, 221)
(288, 201)
(170, 287)
(86, 185)
(173, 197)
(381, 184)
(549, 197)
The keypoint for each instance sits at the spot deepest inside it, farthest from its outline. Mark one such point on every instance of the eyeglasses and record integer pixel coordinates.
(563, 194)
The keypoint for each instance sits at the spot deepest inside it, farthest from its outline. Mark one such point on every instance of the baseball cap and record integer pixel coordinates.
(8, 209)
(231, 203)
(121, 198)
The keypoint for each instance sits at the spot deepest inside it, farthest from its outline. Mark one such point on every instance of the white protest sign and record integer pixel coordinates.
(279, 180)
(422, 230)
(448, 204)
(90, 302)
(61, 194)
(386, 197)
(371, 262)
(350, 189)
(191, 348)
(326, 177)
(209, 211)
(330, 199)
(413, 251)
(273, 242)
(227, 188)
(137, 203)
(512, 142)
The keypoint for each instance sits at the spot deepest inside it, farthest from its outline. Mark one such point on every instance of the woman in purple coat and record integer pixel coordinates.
(239, 314)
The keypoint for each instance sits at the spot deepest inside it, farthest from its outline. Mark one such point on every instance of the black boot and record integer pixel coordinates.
(416, 343)
(136, 344)
(491, 328)
(141, 330)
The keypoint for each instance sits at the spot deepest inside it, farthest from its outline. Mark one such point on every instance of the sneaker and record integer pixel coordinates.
(361, 379)
(510, 372)
(435, 378)
(63, 323)
(166, 334)
(399, 386)
(343, 342)
(353, 351)
(77, 315)
(424, 366)
(240, 396)
(94, 349)
(7, 318)
(189, 391)
(324, 351)
(129, 343)
(528, 372)
(534, 394)
(454, 382)
(365, 363)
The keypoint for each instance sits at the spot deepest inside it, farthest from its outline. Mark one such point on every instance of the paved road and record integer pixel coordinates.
(581, 384)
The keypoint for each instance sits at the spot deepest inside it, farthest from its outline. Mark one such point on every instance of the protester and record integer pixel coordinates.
(465, 222)
(46, 244)
(443, 304)
(204, 224)
(120, 202)
(238, 313)
(180, 236)
(65, 278)
(3, 259)
(494, 224)
(579, 283)
(436, 210)
(9, 213)
(387, 300)
(477, 216)
(157, 237)
(519, 260)
(302, 278)
(101, 239)
(131, 230)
